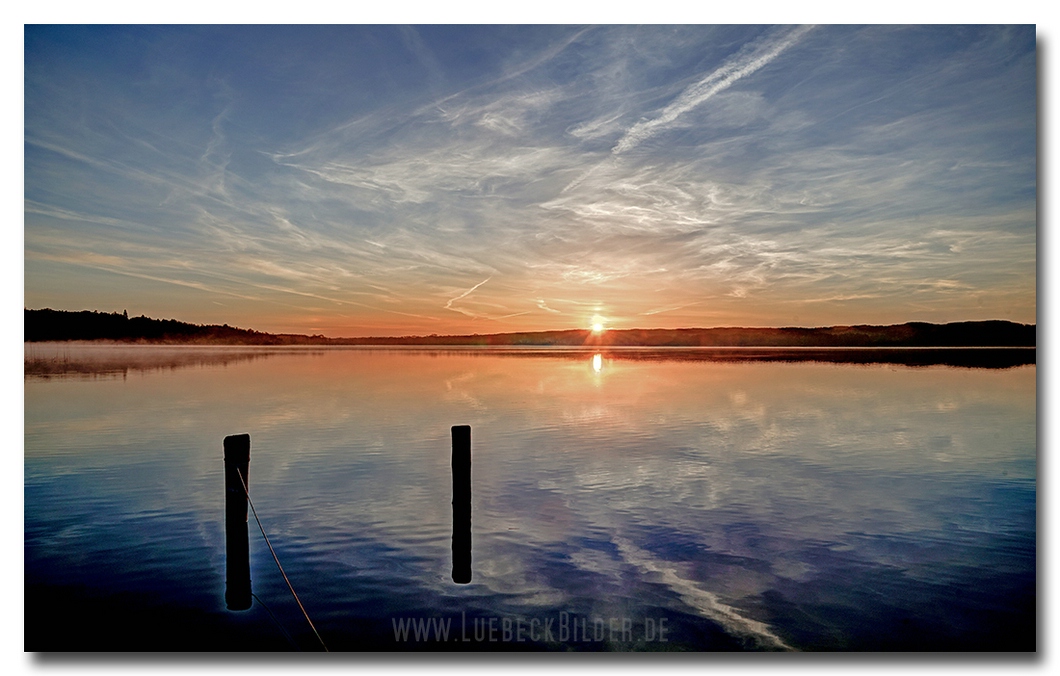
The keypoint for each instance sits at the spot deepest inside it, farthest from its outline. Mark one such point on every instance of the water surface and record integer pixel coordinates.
(758, 504)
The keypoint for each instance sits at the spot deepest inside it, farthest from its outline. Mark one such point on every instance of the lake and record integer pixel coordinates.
(621, 500)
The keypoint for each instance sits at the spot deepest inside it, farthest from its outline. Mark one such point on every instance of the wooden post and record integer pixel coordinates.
(461, 504)
(237, 545)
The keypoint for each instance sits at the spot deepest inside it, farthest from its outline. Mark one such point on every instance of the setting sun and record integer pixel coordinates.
(808, 421)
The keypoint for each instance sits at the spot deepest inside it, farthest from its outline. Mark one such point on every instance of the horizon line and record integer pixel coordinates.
(565, 330)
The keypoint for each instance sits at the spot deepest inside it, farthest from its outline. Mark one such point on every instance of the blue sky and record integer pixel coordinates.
(448, 179)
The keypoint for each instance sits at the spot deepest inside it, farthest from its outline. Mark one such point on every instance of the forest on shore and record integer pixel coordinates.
(60, 325)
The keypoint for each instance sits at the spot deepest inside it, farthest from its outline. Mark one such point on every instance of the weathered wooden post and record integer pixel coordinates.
(461, 504)
(237, 546)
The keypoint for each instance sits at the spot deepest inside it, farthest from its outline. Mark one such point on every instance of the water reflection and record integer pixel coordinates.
(112, 360)
(104, 360)
(752, 504)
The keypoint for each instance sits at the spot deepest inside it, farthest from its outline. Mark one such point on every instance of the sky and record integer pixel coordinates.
(387, 180)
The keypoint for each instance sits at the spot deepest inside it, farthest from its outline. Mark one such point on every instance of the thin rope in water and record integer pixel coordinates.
(276, 620)
(277, 560)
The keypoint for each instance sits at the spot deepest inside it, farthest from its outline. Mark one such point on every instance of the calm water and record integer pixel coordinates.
(621, 498)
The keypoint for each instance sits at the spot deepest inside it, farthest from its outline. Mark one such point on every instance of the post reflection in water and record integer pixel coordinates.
(751, 502)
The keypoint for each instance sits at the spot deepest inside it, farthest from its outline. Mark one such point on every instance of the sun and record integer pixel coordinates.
(598, 324)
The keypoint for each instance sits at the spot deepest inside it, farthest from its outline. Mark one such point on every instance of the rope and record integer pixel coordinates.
(277, 560)
(276, 621)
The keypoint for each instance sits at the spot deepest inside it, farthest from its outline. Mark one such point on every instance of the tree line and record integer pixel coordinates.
(60, 325)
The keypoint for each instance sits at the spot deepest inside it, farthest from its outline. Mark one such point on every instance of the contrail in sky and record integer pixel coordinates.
(449, 305)
(738, 67)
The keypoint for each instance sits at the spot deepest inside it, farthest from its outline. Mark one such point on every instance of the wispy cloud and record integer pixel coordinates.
(529, 167)
(544, 306)
(749, 60)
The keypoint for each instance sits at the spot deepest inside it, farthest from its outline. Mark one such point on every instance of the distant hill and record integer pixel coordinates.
(58, 325)
(993, 333)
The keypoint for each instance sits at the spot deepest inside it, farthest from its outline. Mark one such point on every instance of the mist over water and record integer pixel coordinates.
(762, 505)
